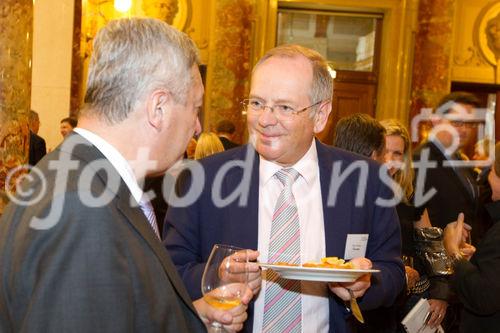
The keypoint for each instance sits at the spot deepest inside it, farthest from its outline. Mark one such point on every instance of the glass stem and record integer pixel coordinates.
(216, 327)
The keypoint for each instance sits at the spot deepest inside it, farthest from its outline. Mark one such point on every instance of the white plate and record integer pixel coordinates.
(318, 274)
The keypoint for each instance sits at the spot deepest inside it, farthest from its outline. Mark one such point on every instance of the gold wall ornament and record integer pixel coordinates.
(487, 35)
(174, 12)
(97, 13)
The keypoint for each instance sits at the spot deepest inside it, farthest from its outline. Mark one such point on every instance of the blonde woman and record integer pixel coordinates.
(208, 144)
(399, 157)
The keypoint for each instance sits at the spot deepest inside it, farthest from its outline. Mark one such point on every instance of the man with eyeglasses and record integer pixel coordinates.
(283, 207)
(456, 189)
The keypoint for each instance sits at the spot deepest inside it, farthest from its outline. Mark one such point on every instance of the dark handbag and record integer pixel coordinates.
(429, 246)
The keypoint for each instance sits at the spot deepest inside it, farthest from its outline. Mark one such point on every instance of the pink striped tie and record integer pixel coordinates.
(282, 304)
(148, 211)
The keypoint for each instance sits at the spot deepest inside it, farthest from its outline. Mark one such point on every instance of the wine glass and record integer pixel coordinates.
(225, 279)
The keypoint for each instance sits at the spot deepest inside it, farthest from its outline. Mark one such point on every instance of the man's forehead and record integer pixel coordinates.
(283, 71)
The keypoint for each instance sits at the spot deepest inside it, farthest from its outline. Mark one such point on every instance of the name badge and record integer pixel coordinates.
(355, 246)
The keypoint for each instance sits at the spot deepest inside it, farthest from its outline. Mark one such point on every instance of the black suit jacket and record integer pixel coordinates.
(477, 282)
(453, 194)
(37, 148)
(95, 265)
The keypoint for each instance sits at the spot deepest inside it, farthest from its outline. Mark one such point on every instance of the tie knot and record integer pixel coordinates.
(145, 204)
(287, 176)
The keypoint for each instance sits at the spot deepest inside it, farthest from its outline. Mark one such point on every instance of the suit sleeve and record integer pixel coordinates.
(182, 239)
(73, 277)
(476, 283)
(384, 250)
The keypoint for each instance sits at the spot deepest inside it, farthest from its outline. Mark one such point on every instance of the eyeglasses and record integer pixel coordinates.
(281, 110)
(466, 124)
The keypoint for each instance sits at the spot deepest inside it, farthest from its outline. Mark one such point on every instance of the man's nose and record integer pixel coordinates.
(268, 116)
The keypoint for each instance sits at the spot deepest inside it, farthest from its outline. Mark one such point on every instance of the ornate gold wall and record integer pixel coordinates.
(472, 58)
(16, 26)
(229, 63)
(221, 29)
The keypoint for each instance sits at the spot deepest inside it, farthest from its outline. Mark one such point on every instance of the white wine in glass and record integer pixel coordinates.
(225, 279)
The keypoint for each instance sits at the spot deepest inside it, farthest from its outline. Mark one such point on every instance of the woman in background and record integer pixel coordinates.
(399, 157)
(208, 144)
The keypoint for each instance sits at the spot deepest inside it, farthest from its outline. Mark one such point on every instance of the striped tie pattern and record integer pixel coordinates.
(148, 211)
(282, 302)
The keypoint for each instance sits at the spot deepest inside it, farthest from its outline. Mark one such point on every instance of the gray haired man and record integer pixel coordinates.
(80, 251)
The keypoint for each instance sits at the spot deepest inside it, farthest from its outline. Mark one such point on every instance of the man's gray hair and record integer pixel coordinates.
(322, 83)
(133, 57)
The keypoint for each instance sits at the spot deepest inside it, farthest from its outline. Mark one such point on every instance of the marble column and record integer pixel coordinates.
(433, 48)
(229, 69)
(16, 26)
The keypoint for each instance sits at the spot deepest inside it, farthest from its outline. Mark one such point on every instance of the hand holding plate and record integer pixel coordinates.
(357, 287)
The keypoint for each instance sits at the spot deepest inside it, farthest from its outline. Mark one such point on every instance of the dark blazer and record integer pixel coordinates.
(228, 144)
(477, 282)
(90, 269)
(453, 194)
(192, 231)
(37, 148)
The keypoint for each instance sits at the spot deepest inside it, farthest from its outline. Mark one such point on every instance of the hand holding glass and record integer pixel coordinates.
(225, 279)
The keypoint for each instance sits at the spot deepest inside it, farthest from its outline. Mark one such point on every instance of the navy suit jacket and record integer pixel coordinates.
(190, 232)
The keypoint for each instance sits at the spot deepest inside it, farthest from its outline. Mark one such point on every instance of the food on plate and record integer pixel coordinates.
(282, 263)
(329, 262)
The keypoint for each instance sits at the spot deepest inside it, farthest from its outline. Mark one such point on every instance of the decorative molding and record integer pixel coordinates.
(473, 57)
(487, 32)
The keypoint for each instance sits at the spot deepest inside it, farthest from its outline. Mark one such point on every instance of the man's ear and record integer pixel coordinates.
(321, 116)
(158, 102)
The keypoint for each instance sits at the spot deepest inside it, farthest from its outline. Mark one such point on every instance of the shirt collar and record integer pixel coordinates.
(306, 166)
(116, 159)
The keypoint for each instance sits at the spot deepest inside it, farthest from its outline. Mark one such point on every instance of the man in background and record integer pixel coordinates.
(38, 148)
(67, 125)
(455, 186)
(361, 134)
(80, 250)
(225, 130)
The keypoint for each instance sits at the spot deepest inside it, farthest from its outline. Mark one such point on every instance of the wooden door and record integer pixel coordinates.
(353, 92)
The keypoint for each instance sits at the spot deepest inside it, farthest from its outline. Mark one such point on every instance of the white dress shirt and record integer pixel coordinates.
(307, 192)
(116, 159)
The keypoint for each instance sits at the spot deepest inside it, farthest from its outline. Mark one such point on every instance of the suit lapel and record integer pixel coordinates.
(336, 217)
(247, 215)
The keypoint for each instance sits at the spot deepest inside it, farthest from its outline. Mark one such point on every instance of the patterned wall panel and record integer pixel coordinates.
(229, 64)
(16, 26)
